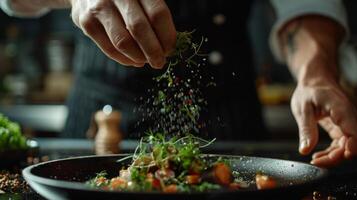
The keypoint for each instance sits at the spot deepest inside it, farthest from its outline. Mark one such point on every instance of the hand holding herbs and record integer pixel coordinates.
(130, 32)
(10, 135)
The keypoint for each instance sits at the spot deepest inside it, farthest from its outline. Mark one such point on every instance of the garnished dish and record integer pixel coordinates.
(176, 165)
(169, 159)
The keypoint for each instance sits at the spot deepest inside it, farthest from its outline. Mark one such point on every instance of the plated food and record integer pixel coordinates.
(67, 179)
(176, 165)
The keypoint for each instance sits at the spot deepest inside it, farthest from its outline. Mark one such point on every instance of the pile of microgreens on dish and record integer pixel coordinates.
(169, 157)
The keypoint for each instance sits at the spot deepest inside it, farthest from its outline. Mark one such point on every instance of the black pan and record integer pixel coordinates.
(63, 179)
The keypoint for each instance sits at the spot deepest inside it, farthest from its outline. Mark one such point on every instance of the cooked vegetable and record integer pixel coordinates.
(222, 174)
(10, 135)
(265, 182)
(170, 188)
(193, 179)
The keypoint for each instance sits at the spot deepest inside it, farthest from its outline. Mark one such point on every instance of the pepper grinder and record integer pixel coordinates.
(108, 136)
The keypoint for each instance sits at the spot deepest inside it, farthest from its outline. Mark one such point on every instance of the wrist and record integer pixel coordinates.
(310, 46)
(314, 62)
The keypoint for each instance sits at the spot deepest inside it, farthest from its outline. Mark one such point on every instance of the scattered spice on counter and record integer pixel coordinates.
(12, 183)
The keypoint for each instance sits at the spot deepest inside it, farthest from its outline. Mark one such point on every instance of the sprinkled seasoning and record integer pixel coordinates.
(175, 102)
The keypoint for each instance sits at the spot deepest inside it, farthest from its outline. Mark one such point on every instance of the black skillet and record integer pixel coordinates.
(63, 179)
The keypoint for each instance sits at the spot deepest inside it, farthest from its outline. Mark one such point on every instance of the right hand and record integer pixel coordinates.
(131, 32)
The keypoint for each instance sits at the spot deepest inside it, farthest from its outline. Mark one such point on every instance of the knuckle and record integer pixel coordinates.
(305, 130)
(122, 43)
(158, 13)
(296, 106)
(98, 6)
(137, 27)
(305, 107)
(86, 22)
(337, 115)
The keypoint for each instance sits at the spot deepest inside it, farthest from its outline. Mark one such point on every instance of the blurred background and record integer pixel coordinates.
(36, 70)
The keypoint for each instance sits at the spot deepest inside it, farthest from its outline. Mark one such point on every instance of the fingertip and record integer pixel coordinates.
(304, 147)
(158, 63)
(351, 146)
(315, 155)
(348, 154)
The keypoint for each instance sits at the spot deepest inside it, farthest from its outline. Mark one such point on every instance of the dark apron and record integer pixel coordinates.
(233, 111)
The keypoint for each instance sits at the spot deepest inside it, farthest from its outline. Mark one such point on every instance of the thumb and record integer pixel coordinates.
(308, 132)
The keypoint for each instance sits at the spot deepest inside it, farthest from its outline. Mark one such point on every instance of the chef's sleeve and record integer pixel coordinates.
(35, 12)
(286, 10)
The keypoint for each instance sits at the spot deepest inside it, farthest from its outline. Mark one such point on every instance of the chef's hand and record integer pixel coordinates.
(321, 100)
(311, 46)
(131, 32)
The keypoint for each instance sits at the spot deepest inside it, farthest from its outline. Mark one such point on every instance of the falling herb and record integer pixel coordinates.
(176, 102)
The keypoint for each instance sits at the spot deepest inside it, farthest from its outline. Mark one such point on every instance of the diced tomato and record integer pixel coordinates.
(117, 182)
(265, 182)
(234, 186)
(170, 189)
(154, 182)
(193, 179)
(222, 174)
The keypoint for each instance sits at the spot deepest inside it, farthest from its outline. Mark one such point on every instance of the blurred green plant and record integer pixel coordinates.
(11, 137)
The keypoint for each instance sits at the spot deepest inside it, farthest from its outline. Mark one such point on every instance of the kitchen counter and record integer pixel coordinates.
(51, 118)
(341, 183)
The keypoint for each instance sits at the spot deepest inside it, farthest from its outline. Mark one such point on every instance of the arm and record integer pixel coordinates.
(309, 45)
(131, 32)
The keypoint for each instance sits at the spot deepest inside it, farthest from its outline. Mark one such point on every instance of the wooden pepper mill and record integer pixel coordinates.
(108, 136)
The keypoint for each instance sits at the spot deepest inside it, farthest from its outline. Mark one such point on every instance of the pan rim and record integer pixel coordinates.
(30, 177)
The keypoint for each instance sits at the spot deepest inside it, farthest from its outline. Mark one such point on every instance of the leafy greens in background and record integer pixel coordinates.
(10, 135)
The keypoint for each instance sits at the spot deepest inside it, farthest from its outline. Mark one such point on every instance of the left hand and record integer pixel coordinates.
(310, 44)
(320, 100)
